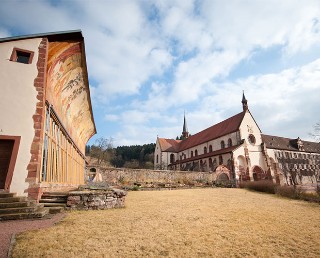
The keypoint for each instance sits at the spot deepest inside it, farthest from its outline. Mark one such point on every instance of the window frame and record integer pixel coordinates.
(14, 55)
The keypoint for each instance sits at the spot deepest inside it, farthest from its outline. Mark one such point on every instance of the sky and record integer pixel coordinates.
(151, 61)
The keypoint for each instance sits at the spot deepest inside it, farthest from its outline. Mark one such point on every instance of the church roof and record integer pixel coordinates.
(281, 143)
(170, 145)
(227, 126)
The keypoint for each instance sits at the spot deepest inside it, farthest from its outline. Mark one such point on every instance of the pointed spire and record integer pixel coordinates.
(185, 133)
(185, 129)
(244, 102)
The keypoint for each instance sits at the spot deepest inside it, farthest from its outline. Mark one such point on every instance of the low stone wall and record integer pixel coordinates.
(117, 176)
(96, 199)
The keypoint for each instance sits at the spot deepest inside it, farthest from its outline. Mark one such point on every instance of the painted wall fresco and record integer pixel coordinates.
(68, 91)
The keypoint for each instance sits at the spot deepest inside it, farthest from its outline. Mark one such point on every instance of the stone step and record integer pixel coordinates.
(55, 194)
(7, 195)
(55, 200)
(23, 215)
(29, 209)
(55, 210)
(13, 199)
(5, 205)
(52, 204)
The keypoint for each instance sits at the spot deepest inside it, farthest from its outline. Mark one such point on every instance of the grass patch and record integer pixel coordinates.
(212, 222)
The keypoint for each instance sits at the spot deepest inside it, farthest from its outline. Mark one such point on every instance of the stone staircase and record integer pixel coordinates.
(54, 201)
(14, 207)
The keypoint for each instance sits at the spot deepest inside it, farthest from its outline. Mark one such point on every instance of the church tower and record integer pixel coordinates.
(185, 133)
(244, 102)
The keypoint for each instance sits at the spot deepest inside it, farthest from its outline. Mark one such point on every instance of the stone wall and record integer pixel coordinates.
(96, 199)
(117, 176)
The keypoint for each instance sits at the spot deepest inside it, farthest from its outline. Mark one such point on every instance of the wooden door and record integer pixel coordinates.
(6, 147)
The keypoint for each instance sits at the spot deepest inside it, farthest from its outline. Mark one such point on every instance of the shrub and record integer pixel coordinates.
(310, 197)
(135, 188)
(265, 186)
(289, 191)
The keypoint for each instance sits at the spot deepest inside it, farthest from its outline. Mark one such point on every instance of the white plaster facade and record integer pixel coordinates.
(18, 104)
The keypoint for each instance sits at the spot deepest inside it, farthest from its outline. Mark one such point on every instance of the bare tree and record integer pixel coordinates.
(316, 131)
(102, 150)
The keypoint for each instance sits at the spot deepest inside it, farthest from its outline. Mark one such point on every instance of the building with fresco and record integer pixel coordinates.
(236, 149)
(45, 112)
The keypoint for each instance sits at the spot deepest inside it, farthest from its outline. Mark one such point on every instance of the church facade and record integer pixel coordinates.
(236, 149)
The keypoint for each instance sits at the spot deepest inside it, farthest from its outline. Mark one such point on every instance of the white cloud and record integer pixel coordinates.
(111, 117)
(168, 56)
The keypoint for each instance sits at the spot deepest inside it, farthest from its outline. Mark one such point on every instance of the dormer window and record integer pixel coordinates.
(21, 56)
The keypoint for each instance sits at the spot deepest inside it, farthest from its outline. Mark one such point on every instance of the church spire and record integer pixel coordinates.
(185, 133)
(244, 102)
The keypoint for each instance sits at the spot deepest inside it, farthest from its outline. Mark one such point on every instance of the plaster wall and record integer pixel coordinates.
(18, 100)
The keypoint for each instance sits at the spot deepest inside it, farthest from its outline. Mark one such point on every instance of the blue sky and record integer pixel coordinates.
(149, 61)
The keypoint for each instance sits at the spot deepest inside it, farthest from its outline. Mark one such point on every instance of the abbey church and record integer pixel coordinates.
(236, 149)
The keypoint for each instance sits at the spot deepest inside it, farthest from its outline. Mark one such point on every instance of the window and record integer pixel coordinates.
(205, 150)
(196, 153)
(229, 142)
(210, 148)
(220, 160)
(191, 154)
(222, 145)
(157, 158)
(21, 56)
(252, 139)
(172, 159)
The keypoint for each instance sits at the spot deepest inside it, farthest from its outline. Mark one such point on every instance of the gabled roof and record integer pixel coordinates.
(169, 145)
(227, 126)
(281, 143)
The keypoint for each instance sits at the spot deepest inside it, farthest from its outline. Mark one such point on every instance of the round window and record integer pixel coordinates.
(252, 139)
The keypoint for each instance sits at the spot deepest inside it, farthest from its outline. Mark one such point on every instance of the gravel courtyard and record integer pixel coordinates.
(184, 223)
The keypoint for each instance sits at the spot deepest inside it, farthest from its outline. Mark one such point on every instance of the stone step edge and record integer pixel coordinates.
(16, 216)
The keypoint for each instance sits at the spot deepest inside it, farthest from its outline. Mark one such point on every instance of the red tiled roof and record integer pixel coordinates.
(227, 126)
(281, 143)
(170, 145)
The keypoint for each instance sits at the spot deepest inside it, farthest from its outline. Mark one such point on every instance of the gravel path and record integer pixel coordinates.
(8, 228)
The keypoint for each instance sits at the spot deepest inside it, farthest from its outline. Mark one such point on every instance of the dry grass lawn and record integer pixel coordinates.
(184, 223)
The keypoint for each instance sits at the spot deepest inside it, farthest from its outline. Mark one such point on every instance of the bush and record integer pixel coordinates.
(310, 197)
(224, 184)
(288, 191)
(265, 186)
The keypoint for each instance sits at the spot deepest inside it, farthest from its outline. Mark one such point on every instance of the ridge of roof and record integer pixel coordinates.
(53, 35)
(222, 128)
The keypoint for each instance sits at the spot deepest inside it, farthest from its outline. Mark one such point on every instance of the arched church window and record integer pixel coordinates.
(210, 148)
(157, 158)
(229, 142)
(171, 158)
(191, 154)
(222, 144)
(220, 160)
(196, 153)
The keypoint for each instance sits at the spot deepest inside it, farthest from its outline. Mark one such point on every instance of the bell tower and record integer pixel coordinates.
(244, 102)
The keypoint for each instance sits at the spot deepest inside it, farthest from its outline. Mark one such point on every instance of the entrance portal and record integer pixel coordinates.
(258, 174)
(6, 148)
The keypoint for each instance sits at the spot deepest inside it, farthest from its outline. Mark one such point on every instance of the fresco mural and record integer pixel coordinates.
(67, 91)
